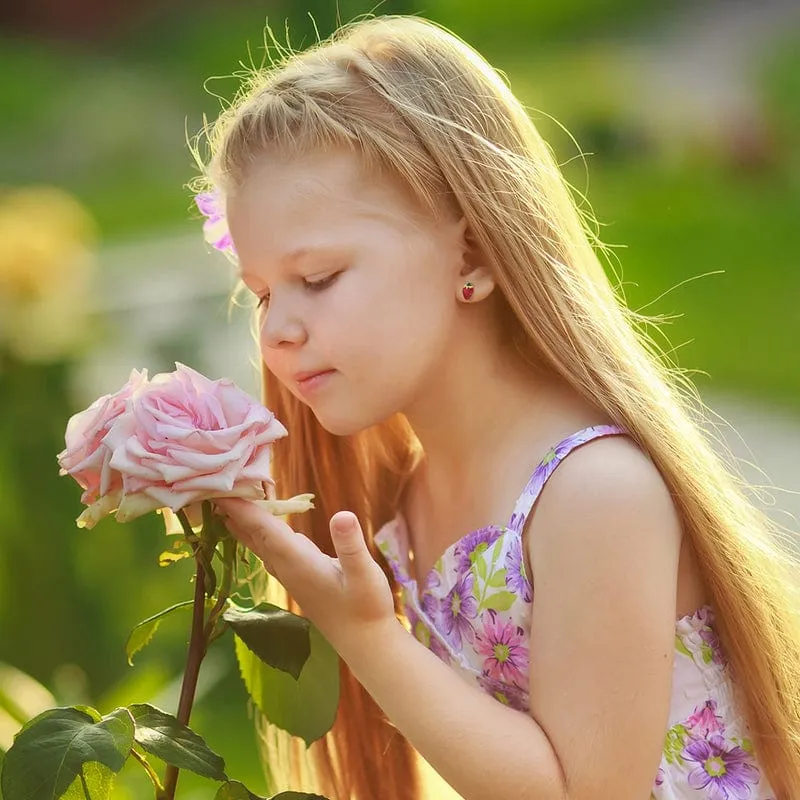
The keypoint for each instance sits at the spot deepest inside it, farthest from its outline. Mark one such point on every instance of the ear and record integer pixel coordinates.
(473, 268)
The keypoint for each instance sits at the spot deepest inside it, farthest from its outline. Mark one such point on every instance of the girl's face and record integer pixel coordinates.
(357, 286)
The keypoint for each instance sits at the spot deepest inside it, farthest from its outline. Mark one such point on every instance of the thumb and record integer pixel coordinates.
(348, 541)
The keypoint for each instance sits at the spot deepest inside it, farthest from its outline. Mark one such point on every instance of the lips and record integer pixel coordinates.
(300, 377)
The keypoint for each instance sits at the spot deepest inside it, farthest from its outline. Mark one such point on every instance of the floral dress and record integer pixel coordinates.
(473, 611)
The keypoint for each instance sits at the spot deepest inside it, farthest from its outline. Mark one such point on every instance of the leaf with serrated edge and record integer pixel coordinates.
(297, 796)
(278, 637)
(146, 629)
(305, 707)
(161, 735)
(51, 750)
(234, 790)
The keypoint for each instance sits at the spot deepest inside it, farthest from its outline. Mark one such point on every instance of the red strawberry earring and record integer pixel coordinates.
(468, 290)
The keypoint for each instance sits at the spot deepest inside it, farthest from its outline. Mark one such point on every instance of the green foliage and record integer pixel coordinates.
(278, 637)
(524, 22)
(161, 735)
(64, 750)
(74, 753)
(233, 790)
(297, 796)
(146, 629)
(305, 707)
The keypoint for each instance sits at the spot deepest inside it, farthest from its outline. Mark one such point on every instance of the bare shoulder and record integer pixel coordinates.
(607, 480)
(605, 506)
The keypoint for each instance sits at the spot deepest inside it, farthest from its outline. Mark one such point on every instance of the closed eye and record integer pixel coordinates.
(323, 283)
(310, 286)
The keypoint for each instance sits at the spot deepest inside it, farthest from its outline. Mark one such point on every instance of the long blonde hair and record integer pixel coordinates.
(415, 101)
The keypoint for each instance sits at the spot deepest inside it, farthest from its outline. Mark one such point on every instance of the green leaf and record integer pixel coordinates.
(500, 601)
(480, 566)
(233, 790)
(305, 707)
(681, 647)
(497, 580)
(64, 752)
(93, 783)
(146, 629)
(674, 743)
(278, 637)
(161, 735)
(496, 548)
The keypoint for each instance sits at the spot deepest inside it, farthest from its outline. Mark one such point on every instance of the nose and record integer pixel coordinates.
(280, 326)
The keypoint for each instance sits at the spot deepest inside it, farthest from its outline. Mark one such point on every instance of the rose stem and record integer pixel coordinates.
(197, 649)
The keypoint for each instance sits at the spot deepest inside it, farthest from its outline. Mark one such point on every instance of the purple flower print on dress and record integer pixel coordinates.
(660, 776)
(473, 544)
(727, 773)
(215, 228)
(705, 721)
(506, 693)
(457, 608)
(396, 567)
(516, 581)
(429, 603)
(439, 649)
(545, 468)
(502, 644)
(710, 638)
(705, 636)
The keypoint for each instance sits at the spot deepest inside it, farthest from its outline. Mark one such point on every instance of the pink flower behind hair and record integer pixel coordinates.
(86, 457)
(215, 229)
(187, 439)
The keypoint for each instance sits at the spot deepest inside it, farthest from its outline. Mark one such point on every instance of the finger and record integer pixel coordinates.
(255, 527)
(348, 541)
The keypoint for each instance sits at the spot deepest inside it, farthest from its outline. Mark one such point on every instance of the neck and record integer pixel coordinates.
(483, 404)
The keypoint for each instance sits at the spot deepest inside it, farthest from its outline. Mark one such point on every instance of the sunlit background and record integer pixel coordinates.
(689, 116)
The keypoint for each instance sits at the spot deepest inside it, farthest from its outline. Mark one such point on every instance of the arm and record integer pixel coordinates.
(605, 548)
(481, 747)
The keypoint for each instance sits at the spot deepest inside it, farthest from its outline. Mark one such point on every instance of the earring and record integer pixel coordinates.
(468, 290)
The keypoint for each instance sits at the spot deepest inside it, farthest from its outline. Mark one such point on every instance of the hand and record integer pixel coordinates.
(347, 597)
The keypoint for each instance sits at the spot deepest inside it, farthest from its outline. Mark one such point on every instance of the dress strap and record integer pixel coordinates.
(554, 456)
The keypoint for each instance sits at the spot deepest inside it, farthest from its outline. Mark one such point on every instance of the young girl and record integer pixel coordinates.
(500, 457)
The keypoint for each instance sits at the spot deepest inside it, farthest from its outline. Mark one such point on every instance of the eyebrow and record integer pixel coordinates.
(300, 253)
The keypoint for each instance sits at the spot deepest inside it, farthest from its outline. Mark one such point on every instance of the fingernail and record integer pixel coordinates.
(344, 523)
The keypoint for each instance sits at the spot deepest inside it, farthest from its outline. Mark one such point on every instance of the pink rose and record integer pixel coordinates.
(185, 439)
(86, 458)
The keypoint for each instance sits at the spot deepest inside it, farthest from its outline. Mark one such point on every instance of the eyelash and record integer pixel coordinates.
(311, 286)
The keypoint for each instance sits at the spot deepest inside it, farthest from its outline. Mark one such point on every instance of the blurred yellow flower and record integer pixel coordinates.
(47, 245)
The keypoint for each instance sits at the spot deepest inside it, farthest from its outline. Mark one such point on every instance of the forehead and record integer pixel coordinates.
(287, 202)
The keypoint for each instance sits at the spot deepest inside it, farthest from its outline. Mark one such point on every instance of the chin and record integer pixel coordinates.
(341, 425)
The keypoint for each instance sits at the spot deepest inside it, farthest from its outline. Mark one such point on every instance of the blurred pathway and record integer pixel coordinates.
(696, 72)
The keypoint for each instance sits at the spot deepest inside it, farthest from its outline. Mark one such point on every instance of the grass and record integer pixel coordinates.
(714, 250)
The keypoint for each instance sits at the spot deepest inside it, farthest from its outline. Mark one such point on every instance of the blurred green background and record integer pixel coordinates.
(689, 118)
